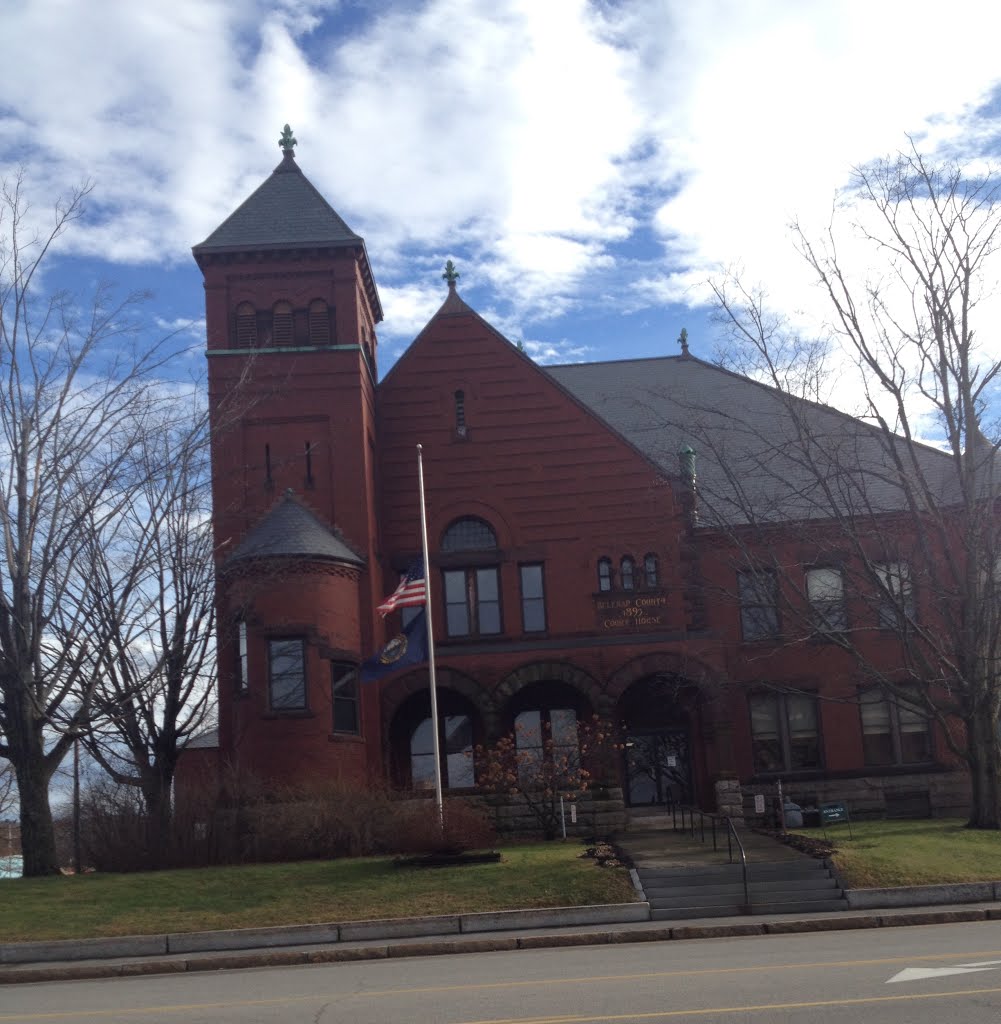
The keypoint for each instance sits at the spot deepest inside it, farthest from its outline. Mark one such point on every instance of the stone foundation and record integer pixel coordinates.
(918, 795)
(598, 814)
(730, 800)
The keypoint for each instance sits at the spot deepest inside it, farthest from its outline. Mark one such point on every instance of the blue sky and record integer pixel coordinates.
(587, 165)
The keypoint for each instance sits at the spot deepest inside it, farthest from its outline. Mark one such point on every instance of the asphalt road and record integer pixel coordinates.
(891, 975)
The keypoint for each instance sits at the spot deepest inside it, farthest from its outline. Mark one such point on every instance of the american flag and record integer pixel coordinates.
(409, 594)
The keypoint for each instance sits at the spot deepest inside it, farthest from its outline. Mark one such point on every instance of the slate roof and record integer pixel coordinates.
(286, 211)
(760, 455)
(290, 530)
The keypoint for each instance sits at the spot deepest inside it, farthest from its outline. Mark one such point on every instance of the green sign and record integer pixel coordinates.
(830, 814)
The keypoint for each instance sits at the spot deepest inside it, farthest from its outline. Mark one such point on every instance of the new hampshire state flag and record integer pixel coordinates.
(407, 648)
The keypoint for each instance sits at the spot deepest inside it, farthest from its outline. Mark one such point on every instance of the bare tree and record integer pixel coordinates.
(73, 387)
(904, 500)
(151, 609)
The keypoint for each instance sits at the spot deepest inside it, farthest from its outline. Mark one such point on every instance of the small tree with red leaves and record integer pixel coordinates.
(540, 770)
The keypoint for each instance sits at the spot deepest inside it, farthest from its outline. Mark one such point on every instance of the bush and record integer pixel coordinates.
(466, 826)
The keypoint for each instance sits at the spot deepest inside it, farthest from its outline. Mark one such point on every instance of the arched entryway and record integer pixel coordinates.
(460, 728)
(658, 718)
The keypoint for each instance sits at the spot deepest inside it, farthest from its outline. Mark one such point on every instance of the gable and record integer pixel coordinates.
(531, 458)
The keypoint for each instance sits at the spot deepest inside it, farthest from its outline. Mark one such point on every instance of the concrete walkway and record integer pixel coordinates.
(659, 849)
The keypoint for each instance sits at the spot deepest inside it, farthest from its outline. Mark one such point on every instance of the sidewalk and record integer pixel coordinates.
(284, 947)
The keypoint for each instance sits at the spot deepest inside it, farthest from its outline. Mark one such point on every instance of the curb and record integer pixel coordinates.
(230, 940)
(445, 947)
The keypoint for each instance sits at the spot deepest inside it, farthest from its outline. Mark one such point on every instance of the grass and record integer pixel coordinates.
(246, 896)
(886, 853)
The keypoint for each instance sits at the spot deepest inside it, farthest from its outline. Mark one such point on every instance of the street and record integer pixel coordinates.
(896, 975)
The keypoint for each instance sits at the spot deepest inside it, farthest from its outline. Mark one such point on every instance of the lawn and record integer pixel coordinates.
(536, 875)
(924, 852)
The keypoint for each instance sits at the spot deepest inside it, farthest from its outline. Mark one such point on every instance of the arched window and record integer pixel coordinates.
(455, 742)
(281, 324)
(604, 574)
(469, 534)
(319, 323)
(627, 573)
(544, 735)
(246, 326)
(651, 571)
(472, 594)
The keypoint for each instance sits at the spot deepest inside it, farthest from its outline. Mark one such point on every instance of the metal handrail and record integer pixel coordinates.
(690, 827)
(743, 863)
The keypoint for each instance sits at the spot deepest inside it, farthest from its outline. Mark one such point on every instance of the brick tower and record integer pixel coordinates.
(291, 309)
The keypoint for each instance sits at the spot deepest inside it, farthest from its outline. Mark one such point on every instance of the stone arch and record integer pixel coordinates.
(696, 672)
(398, 690)
(545, 672)
(401, 699)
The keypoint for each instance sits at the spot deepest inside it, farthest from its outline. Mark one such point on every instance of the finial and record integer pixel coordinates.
(451, 275)
(288, 141)
(687, 459)
(683, 341)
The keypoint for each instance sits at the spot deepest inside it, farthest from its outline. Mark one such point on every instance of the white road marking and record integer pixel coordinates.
(921, 973)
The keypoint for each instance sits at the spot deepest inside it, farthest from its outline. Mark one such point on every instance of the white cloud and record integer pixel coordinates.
(535, 141)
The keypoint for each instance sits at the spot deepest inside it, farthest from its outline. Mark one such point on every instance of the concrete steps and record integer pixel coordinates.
(683, 877)
(789, 887)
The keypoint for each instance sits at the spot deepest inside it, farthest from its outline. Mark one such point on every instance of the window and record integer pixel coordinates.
(472, 596)
(545, 734)
(456, 745)
(246, 326)
(242, 676)
(533, 600)
(894, 731)
(651, 572)
(825, 590)
(896, 601)
(604, 574)
(344, 696)
(627, 575)
(472, 602)
(319, 323)
(281, 324)
(469, 534)
(759, 612)
(287, 674)
(460, 413)
(784, 734)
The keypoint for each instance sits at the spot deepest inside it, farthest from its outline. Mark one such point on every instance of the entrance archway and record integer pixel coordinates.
(657, 716)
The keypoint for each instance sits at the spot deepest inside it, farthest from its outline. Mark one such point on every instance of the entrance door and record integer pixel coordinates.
(658, 769)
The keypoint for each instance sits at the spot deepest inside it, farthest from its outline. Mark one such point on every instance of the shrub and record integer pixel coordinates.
(465, 826)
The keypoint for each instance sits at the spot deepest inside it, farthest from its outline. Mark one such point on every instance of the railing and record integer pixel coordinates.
(743, 863)
(717, 822)
(715, 825)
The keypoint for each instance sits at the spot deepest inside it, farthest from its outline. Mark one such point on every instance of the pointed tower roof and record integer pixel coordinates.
(290, 530)
(287, 212)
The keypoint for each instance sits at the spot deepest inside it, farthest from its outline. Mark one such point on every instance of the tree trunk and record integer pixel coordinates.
(156, 797)
(38, 834)
(985, 772)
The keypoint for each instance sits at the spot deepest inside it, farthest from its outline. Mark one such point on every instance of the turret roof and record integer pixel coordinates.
(290, 530)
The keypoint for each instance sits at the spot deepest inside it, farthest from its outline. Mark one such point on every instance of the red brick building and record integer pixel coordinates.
(584, 559)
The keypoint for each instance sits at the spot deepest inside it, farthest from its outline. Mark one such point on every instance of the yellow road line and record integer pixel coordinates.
(664, 1014)
(513, 984)
(564, 980)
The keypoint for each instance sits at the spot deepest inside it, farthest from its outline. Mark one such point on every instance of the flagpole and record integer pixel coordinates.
(427, 616)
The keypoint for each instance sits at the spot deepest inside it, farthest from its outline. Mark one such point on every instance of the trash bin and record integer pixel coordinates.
(793, 815)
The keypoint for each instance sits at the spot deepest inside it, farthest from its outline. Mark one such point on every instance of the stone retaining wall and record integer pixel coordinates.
(600, 813)
(917, 795)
